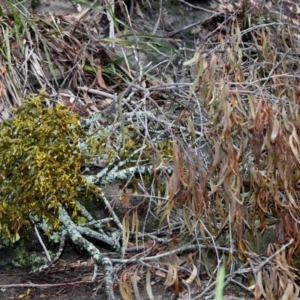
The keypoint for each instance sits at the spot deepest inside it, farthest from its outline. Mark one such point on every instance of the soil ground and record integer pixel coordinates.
(56, 6)
(62, 286)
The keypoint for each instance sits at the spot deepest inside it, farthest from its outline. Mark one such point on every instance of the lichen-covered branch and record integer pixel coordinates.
(99, 259)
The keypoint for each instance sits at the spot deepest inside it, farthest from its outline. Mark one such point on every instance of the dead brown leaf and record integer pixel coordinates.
(99, 77)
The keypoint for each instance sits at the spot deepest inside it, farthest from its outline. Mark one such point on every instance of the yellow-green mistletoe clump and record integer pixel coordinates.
(39, 165)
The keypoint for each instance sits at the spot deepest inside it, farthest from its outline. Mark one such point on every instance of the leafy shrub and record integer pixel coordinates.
(39, 165)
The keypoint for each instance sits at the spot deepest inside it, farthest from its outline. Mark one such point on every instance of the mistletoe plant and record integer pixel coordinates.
(39, 166)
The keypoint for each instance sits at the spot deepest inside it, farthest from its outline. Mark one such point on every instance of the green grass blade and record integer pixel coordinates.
(220, 283)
